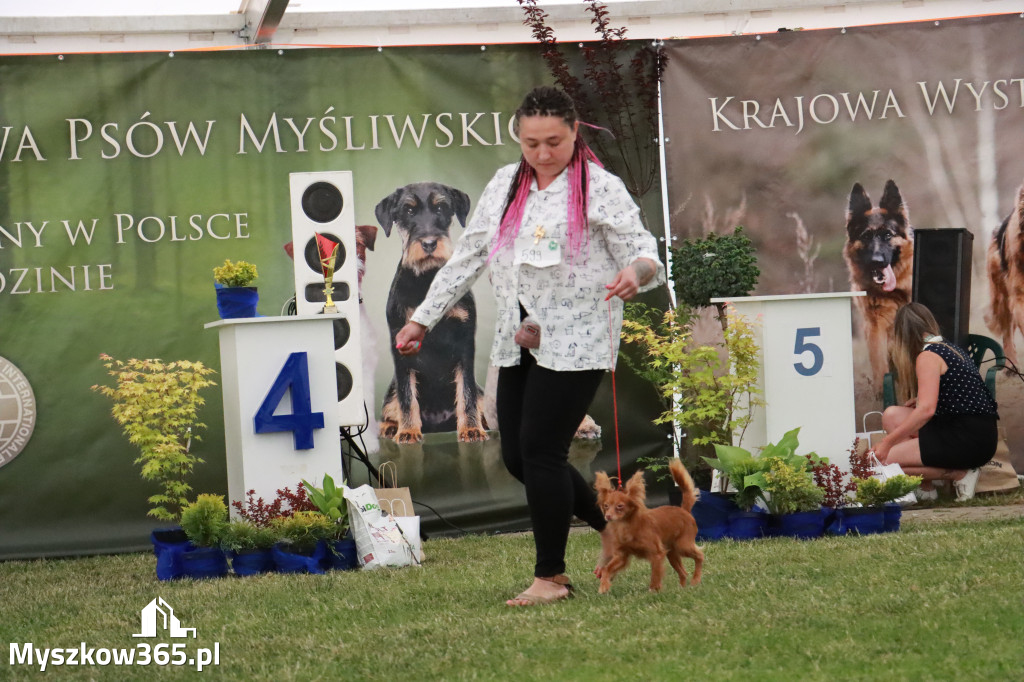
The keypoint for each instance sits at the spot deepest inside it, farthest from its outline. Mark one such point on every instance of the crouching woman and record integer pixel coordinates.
(946, 429)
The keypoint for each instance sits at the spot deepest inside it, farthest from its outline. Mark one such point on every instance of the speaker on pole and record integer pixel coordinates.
(942, 278)
(322, 203)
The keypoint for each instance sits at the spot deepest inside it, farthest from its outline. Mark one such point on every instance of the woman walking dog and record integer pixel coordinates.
(562, 238)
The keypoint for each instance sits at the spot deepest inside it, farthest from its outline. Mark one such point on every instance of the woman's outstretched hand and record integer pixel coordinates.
(628, 280)
(409, 338)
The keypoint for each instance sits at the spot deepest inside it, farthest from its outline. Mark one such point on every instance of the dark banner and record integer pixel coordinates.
(125, 178)
(787, 133)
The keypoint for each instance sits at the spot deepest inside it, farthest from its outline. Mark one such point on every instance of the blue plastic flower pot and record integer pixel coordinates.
(864, 520)
(892, 513)
(711, 512)
(233, 302)
(288, 561)
(252, 561)
(342, 555)
(204, 562)
(804, 525)
(169, 544)
(749, 525)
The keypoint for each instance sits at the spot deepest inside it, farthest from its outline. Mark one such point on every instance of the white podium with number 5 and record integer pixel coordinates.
(806, 355)
(280, 402)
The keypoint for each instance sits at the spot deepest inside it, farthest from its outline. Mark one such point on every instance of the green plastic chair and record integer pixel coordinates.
(977, 347)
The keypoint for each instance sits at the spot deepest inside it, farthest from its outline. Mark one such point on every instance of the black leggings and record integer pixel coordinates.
(539, 411)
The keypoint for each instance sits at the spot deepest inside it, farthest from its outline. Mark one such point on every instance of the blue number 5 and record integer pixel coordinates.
(302, 421)
(802, 346)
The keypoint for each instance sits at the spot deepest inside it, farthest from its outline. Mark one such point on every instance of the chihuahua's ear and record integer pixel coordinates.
(635, 487)
(602, 484)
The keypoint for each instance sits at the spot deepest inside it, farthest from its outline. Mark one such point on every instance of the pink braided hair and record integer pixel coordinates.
(579, 184)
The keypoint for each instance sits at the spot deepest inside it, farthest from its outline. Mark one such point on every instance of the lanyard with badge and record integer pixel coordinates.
(542, 252)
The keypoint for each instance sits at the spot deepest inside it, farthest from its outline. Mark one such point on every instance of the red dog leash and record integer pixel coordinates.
(615, 402)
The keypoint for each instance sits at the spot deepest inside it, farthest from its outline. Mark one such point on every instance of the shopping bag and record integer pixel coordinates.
(379, 539)
(867, 439)
(998, 474)
(393, 499)
(883, 472)
(410, 527)
(397, 501)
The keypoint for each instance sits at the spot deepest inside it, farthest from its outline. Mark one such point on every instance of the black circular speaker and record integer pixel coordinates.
(322, 202)
(344, 378)
(342, 331)
(312, 254)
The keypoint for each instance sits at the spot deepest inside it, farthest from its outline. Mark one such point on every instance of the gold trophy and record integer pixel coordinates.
(328, 251)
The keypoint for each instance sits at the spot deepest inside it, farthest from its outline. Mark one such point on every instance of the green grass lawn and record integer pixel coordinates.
(933, 602)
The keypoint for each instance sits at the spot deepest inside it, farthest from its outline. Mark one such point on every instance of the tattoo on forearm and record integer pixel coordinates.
(644, 271)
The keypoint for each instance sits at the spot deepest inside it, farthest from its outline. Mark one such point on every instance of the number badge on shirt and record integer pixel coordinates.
(543, 254)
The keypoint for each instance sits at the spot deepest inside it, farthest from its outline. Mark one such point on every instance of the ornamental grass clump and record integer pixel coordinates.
(157, 403)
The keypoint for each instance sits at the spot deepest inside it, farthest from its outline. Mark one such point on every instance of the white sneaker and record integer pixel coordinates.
(965, 486)
(926, 495)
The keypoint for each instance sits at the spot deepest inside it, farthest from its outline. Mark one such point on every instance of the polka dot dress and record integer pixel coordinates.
(961, 388)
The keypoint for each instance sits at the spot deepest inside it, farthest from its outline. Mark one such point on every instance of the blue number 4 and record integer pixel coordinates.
(294, 376)
(802, 345)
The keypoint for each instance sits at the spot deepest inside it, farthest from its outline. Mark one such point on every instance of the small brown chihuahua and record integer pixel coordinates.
(652, 534)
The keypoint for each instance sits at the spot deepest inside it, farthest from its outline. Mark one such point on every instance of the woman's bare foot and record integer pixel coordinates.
(543, 591)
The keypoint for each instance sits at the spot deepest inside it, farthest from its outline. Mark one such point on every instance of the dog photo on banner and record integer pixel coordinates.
(887, 163)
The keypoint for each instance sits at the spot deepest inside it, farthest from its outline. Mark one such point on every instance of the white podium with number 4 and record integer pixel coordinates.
(280, 402)
(806, 355)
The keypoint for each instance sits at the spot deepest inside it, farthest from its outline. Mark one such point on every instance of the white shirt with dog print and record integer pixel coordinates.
(567, 299)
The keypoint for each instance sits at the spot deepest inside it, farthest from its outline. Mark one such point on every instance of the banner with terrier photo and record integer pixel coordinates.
(126, 178)
(833, 148)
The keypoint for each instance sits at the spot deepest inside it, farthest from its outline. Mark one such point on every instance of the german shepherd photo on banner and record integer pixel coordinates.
(1006, 279)
(879, 253)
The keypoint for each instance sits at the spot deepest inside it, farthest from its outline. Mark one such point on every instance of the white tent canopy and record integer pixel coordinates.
(47, 26)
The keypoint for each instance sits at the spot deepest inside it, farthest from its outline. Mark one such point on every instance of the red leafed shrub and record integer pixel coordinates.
(260, 513)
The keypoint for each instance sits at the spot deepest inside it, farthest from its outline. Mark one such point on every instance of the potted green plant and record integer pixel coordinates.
(301, 545)
(249, 547)
(157, 404)
(236, 297)
(700, 388)
(717, 266)
(793, 498)
(746, 473)
(331, 503)
(204, 522)
(879, 513)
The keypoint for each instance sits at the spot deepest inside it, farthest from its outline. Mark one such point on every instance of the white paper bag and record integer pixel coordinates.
(410, 527)
(379, 539)
(867, 439)
(884, 473)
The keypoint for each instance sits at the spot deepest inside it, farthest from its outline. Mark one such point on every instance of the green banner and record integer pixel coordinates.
(126, 178)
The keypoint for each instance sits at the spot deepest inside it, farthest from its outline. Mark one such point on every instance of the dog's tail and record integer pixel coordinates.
(685, 483)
